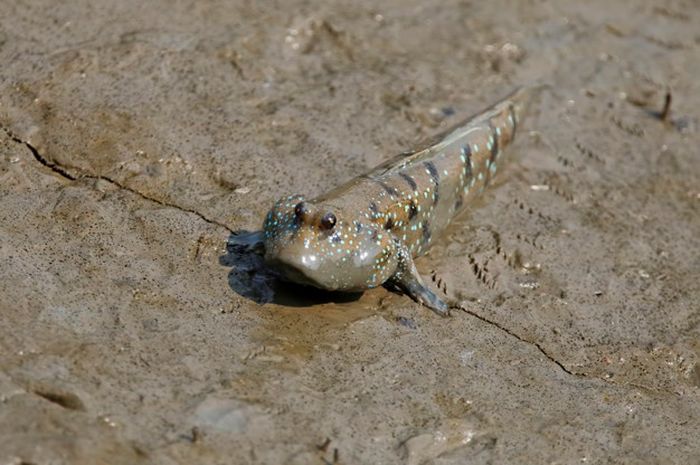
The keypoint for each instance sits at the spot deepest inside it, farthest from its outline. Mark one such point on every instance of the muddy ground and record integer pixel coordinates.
(137, 139)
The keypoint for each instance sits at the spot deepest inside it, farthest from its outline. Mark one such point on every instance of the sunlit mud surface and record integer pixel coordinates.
(137, 141)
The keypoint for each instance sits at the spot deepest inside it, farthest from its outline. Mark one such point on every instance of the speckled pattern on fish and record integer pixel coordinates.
(367, 232)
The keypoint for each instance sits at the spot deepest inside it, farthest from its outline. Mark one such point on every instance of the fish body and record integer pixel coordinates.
(367, 232)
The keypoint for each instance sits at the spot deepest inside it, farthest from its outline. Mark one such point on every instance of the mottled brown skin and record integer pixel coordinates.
(366, 233)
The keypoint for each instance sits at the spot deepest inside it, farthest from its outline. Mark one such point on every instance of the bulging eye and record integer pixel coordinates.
(328, 221)
(300, 210)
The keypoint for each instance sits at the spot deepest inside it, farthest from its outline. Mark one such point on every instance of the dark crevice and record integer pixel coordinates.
(516, 336)
(65, 173)
(37, 156)
(67, 400)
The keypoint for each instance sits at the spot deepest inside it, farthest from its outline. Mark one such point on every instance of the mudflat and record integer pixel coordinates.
(136, 141)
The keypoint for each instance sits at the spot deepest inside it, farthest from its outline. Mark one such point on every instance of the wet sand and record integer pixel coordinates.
(136, 140)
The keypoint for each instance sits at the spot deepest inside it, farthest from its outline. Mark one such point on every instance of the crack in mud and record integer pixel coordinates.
(559, 364)
(37, 156)
(521, 339)
(158, 201)
(65, 173)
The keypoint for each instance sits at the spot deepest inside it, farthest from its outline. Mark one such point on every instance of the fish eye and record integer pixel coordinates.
(300, 210)
(328, 221)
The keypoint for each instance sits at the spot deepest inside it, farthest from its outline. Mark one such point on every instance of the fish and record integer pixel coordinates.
(368, 231)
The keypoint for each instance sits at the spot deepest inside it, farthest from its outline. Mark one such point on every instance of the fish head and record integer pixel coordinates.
(327, 246)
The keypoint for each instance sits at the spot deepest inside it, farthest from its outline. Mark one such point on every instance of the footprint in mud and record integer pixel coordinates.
(251, 278)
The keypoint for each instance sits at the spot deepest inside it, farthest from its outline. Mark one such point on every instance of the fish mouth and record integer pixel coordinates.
(290, 272)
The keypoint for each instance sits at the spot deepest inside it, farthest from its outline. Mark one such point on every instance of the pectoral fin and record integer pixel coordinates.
(407, 279)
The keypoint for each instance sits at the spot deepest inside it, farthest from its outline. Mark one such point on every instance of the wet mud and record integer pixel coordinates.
(138, 141)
